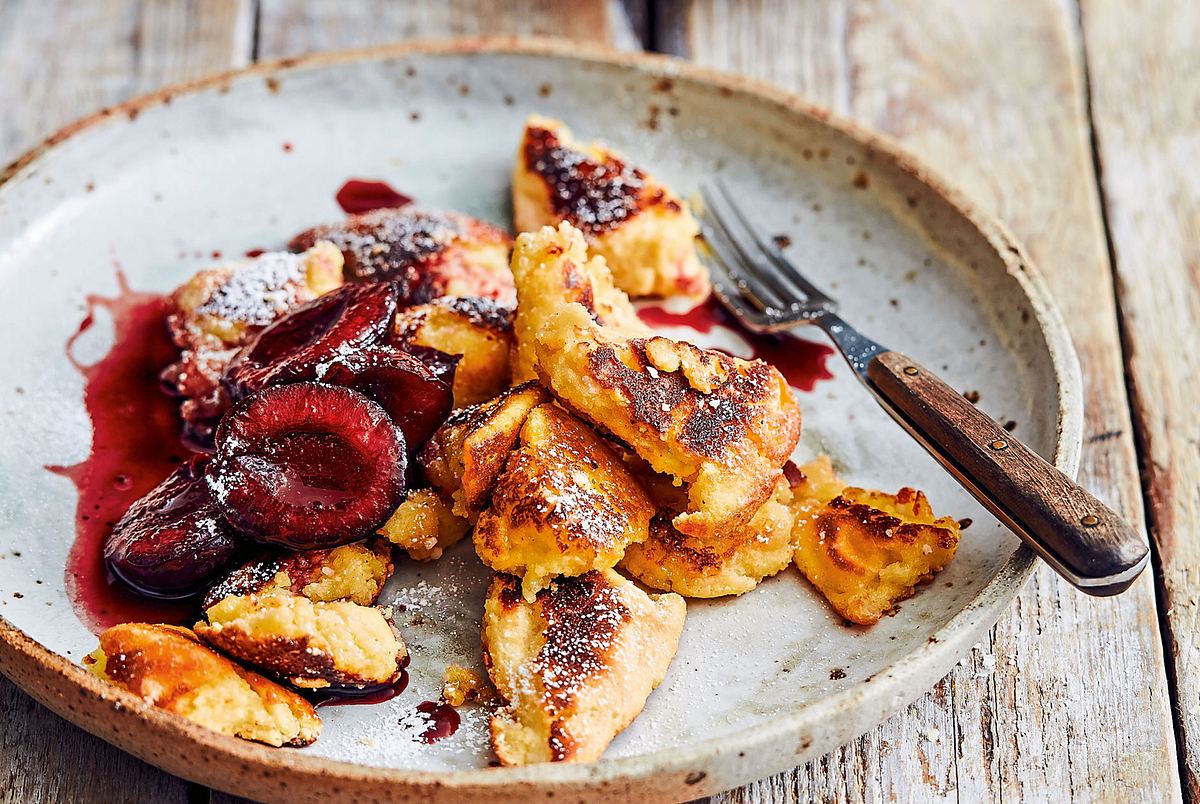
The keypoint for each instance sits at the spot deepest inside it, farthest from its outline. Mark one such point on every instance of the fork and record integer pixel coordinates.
(1081, 538)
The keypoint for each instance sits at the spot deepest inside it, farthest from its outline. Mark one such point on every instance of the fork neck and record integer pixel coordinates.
(857, 348)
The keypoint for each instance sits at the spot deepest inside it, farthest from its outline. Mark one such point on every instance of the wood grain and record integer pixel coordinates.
(1069, 528)
(1144, 101)
(290, 27)
(60, 60)
(992, 94)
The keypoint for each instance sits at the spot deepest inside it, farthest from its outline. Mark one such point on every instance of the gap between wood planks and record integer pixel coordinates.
(1162, 598)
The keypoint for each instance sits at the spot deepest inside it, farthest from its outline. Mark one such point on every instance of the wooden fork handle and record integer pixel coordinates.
(1084, 540)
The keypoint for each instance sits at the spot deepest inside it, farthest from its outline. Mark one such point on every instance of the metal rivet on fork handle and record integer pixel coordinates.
(1090, 521)
(911, 371)
(998, 445)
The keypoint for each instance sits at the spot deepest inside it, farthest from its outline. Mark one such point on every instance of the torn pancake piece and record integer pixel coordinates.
(565, 504)
(477, 330)
(674, 562)
(575, 666)
(310, 644)
(354, 572)
(427, 254)
(723, 425)
(424, 526)
(866, 550)
(465, 456)
(642, 229)
(167, 666)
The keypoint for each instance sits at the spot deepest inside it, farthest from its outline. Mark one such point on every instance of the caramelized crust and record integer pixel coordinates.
(575, 666)
(311, 644)
(424, 526)
(219, 309)
(721, 424)
(639, 226)
(354, 572)
(674, 562)
(468, 452)
(867, 550)
(476, 329)
(427, 254)
(168, 667)
(564, 505)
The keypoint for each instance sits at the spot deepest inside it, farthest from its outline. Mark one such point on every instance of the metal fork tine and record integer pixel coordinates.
(764, 280)
(789, 270)
(732, 264)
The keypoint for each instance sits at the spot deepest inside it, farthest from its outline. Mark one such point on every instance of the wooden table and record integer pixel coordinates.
(1076, 124)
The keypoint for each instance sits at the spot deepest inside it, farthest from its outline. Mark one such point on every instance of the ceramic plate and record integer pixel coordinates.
(243, 161)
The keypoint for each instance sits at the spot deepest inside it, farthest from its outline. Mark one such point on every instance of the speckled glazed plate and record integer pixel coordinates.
(240, 161)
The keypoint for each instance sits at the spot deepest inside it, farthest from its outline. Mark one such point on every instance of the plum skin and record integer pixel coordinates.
(172, 542)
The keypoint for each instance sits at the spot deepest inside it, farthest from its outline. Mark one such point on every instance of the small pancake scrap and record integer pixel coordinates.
(462, 685)
(476, 329)
(424, 526)
(427, 254)
(168, 667)
(674, 562)
(723, 425)
(642, 229)
(310, 644)
(866, 550)
(575, 666)
(565, 504)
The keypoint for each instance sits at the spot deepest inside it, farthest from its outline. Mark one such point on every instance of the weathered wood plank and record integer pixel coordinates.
(60, 60)
(991, 94)
(290, 27)
(1144, 97)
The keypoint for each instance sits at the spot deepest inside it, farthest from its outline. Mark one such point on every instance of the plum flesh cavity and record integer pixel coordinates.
(307, 465)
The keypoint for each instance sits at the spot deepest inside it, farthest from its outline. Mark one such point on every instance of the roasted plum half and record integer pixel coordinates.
(174, 541)
(403, 385)
(308, 466)
(295, 347)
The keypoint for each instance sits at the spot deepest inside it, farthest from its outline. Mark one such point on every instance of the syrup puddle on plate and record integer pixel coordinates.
(135, 445)
(803, 363)
(365, 195)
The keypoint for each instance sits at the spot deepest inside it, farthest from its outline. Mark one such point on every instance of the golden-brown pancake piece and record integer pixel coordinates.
(575, 666)
(723, 425)
(354, 572)
(168, 667)
(642, 229)
(427, 254)
(424, 526)
(565, 504)
(867, 550)
(675, 562)
(310, 644)
(465, 456)
(556, 271)
(475, 329)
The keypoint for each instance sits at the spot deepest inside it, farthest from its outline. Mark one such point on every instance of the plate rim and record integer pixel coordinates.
(127, 721)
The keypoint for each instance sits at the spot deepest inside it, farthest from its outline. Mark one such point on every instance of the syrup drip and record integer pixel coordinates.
(135, 445)
(443, 720)
(801, 362)
(352, 697)
(365, 195)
